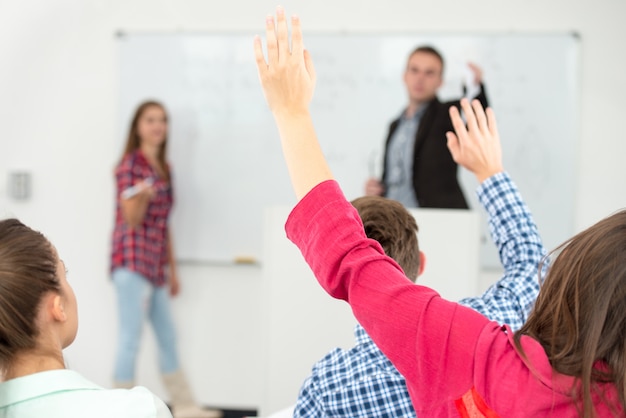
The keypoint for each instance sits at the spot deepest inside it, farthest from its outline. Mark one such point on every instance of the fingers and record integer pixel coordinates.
(458, 124)
(308, 63)
(472, 125)
(453, 145)
(288, 80)
(475, 115)
(272, 43)
(480, 116)
(297, 45)
(491, 120)
(282, 31)
(258, 55)
(277, 35)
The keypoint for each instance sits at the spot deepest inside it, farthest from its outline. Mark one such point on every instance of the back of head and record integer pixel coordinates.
(28, 266)
(389, 223)
(580, 314)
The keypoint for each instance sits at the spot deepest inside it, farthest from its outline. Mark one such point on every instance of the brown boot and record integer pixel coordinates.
(181, 399)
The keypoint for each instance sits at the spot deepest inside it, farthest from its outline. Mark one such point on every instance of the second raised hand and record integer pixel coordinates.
(477, 145)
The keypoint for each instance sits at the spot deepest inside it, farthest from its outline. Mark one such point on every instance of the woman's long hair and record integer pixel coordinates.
(580, 314)
(28, 271)
(134, 141)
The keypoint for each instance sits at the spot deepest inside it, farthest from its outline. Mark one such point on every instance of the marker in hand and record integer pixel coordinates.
(137, 188)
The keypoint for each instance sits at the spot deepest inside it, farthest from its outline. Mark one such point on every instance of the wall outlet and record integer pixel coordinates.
(20, 185)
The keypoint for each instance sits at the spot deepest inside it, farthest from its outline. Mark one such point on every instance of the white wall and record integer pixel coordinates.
(58, 92)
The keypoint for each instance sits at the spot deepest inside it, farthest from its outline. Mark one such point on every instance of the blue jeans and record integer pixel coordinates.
(136, 299)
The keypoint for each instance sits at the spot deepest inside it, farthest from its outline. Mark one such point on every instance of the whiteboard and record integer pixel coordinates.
(224, 147)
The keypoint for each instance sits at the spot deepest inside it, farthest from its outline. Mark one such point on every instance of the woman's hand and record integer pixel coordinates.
(174, 285)
(288, 76)
(288, 81)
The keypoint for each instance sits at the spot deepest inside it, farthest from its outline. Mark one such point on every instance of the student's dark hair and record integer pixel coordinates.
(28, 271)
(580, 314)
(134, 141)
(427, 49)
(389, 223)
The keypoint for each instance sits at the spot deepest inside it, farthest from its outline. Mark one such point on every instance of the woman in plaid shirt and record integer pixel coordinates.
(143, 263)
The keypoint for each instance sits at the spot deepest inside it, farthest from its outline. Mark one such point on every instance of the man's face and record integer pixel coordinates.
(423, 76)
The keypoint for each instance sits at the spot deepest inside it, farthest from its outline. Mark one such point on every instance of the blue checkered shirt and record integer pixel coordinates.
(362, 382)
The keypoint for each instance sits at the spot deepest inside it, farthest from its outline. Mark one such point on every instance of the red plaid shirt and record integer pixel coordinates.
(142, 249)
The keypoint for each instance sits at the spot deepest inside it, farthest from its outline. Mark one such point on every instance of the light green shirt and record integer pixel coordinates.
(66, 394)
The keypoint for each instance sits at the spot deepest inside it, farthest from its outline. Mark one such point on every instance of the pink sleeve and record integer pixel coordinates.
(430, 341)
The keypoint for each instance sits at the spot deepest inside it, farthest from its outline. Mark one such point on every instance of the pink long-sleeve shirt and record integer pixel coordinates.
(456, 362)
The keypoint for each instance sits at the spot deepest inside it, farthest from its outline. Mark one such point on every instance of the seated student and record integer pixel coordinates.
(568, 358)
(38, 319)
(360, 382)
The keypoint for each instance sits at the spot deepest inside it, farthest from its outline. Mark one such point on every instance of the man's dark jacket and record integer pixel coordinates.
(434, 171)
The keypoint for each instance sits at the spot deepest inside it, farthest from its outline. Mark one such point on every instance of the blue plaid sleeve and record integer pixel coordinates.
(510, 300)
(357, 383)
(308, 404)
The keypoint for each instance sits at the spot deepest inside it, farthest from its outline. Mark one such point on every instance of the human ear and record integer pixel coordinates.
(422, 263)
(57, 309)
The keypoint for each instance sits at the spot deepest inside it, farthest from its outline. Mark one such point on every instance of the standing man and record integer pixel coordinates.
(418, 169)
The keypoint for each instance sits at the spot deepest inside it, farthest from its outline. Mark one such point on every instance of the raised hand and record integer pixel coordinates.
(477, 145)
(288, 81)
(288, 76)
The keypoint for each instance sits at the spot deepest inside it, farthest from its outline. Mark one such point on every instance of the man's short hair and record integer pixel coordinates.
(427, 49)
(389, 223)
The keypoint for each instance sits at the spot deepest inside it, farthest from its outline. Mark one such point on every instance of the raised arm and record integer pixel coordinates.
(512, 228)
(431, 341)
(511, 298)
(288, 80)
